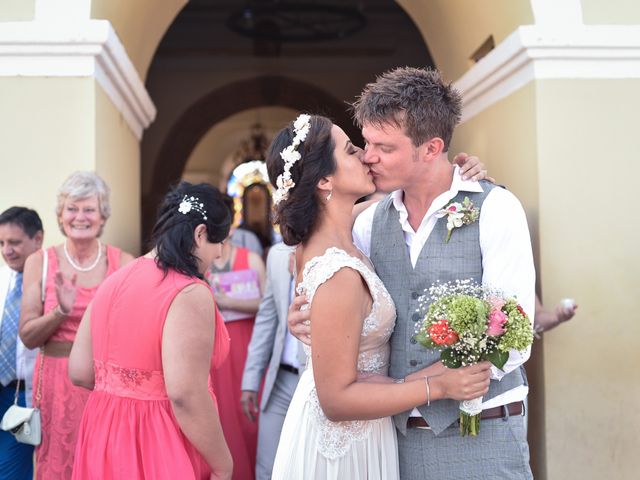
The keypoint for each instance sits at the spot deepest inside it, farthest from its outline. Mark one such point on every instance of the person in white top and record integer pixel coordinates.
(407, 118)
(21, 234)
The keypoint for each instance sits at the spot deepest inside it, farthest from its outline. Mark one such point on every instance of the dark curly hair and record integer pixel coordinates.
(172, 235)
(297, 215)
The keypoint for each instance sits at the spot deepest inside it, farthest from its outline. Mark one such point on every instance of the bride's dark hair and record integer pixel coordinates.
(298, 214)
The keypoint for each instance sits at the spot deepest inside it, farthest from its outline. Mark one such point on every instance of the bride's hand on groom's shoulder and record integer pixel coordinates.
(298, 320)
(471, 168)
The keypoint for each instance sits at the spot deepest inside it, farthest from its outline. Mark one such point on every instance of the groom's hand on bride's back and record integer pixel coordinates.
(298, 320)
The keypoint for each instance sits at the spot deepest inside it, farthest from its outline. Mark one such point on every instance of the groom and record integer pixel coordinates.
(407, 118)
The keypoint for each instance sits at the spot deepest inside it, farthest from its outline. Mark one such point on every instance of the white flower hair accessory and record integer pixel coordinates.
(192, 203)
(290, 155)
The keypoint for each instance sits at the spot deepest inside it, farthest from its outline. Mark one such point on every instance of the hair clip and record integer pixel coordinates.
(192, 203)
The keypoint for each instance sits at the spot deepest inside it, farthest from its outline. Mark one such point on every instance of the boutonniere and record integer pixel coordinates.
(459, 214)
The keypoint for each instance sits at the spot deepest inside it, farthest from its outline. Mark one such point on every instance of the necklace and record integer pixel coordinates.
(78, 267)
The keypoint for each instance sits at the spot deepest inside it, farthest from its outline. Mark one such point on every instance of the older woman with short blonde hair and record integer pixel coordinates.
(59, 283)
(84, 185)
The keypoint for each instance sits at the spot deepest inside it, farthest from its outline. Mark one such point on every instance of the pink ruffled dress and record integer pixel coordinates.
(62, 402)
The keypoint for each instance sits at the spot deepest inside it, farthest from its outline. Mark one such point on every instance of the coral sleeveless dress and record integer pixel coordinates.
(62, 402)
(128, 430)
(240, 433)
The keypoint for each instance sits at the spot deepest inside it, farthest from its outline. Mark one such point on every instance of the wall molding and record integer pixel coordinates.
(88, 48)
(532, 52)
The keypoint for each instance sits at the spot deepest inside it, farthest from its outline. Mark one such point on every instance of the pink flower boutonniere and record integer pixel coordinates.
(459, 214)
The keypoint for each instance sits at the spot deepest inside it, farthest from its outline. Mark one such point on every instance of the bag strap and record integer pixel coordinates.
(38, 390)
(45, 267)
(15, 398)
(38, 396)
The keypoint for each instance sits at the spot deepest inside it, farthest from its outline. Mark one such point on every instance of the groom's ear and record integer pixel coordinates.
(431, 149)
(325, 184)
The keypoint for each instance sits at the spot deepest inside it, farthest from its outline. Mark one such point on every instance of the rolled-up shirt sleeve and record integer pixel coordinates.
(507, 259)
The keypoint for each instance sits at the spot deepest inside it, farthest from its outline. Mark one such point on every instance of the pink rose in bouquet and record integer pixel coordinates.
(496, 322)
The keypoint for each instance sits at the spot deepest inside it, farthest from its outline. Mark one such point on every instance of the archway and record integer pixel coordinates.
(222, 103)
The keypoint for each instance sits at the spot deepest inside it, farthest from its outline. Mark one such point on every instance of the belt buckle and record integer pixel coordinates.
(423, 428)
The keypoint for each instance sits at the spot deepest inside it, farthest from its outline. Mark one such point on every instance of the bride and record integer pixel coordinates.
(338, 424)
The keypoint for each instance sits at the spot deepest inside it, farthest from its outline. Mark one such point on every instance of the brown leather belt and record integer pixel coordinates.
(515, 408)
(57, 349)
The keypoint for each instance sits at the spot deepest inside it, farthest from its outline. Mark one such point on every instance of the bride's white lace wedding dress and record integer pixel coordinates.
(313, 447)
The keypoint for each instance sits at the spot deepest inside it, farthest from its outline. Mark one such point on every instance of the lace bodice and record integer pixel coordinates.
(377, 326)
(373, 357)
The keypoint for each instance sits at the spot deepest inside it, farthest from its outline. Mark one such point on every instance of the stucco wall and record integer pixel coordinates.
(140, 24)
(612, 12)
(588, 143)
(46, 133)
(117, 160)
(17, 10)
(455, 29)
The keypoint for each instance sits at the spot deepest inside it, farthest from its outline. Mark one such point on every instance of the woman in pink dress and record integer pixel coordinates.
(145, 348)
(237, 277)
(51, 314)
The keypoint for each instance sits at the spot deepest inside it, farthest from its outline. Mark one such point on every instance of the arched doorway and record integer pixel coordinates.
(203, 72)
(222, 103)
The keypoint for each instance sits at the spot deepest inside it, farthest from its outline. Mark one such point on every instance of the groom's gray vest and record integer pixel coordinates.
(459, 259)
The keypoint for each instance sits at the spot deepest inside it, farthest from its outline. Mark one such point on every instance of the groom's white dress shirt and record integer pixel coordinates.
(507, 259)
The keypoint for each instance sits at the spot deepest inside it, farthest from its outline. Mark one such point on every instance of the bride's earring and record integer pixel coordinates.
(329, 196)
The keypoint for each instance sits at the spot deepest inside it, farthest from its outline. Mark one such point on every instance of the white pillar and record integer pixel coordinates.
(557, 12)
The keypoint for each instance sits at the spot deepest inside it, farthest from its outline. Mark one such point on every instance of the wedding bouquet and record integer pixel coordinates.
(469, 323)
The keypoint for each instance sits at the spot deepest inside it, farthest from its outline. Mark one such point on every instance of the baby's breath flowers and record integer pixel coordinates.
(469, 323)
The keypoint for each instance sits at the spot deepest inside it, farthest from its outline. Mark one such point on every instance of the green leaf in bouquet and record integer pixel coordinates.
(450, 359)
(498, 357)
(424, 339)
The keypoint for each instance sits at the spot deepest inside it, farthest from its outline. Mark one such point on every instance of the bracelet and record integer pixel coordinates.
(59, 311)
(426, 382)
(398, 380)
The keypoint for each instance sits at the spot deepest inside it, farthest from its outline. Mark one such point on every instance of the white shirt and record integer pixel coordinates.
(507, 258)
(25, 358)
(290, 348)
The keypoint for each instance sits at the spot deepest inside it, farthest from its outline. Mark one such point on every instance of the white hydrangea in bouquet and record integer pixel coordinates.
(470, 323)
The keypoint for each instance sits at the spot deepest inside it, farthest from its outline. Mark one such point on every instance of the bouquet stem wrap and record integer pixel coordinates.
(470, 411)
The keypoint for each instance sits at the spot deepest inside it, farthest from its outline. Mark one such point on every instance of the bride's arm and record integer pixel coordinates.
(339, 308)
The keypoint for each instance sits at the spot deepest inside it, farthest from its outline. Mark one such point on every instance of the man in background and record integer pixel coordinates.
(275, 350)
(21, 234)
